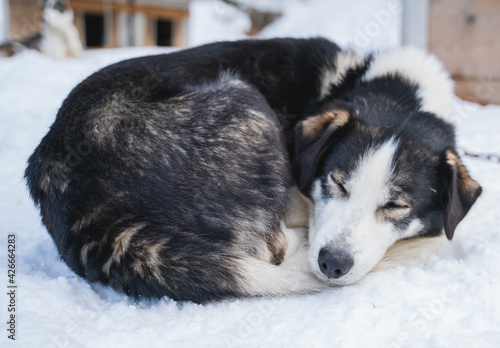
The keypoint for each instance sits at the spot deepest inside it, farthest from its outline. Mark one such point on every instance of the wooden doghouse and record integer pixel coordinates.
(112, 23)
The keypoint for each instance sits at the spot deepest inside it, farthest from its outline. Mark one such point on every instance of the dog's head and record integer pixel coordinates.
(57, 5)
(57, 14)
(374, 184)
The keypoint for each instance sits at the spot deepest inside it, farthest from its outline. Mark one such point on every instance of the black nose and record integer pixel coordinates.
(334, 263)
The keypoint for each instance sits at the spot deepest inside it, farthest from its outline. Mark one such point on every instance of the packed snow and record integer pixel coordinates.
(451, 299)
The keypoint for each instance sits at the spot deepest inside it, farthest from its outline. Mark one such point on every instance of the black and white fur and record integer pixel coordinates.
(379, 162)
(175, 175)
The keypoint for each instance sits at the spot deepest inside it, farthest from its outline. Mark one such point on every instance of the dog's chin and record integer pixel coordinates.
(344, 281)
(335, 282)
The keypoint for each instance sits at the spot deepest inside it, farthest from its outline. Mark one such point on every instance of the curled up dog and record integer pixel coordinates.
(192, 189)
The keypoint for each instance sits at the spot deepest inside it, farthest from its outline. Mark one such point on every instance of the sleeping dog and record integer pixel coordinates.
(175, 175)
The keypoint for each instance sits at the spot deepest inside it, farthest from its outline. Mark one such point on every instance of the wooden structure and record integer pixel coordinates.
(25, 18)
(112, 23)
(465, 35)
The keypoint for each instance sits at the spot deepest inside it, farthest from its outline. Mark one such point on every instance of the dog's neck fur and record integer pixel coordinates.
(435, 88)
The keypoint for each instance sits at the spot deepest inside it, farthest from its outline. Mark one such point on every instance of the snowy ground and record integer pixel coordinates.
(453, 300)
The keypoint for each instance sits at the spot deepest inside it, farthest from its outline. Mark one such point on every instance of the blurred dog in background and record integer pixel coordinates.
(57, 37)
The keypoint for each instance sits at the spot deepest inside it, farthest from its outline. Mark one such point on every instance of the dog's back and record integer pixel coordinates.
(183, 197)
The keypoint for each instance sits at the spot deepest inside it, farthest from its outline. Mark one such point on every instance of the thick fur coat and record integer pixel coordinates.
(174, 175)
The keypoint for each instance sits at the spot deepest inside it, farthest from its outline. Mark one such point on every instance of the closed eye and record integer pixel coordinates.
(340, 186)
(395, 205)
(394, 210)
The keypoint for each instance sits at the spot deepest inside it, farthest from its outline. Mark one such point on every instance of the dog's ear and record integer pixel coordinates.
(313, 136)
(460, 192)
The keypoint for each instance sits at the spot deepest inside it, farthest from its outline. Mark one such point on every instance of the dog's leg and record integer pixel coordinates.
(296, 238)
(410, 250)
(296, 224)
(259, 278)
(298, 210)
(293, 276)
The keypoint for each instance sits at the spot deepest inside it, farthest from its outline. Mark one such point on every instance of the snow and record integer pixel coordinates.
(215, 21)
(450, 300)
(376, 24)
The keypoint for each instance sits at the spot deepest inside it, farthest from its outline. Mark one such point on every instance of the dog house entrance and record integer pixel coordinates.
(164, 33)
(94, 30)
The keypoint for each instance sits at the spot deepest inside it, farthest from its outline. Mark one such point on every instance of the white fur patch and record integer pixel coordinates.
(412, 229)
(295, 237)
(334, 76)
(259, 278)
(435, 85)
(349, 225)
(298, 210)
